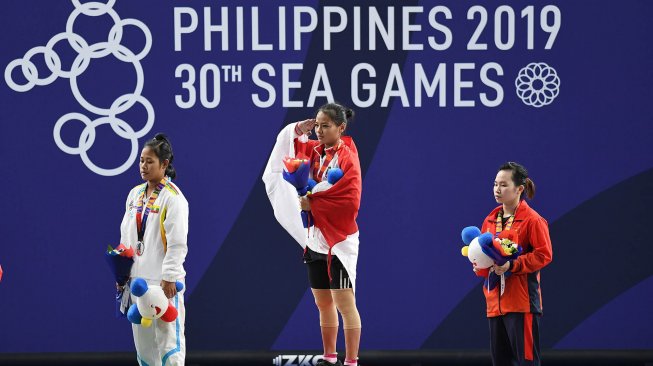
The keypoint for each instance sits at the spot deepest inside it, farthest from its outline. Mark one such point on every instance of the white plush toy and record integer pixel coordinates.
(151, 304)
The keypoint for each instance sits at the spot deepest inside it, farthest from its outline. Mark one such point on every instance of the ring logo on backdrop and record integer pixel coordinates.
(86, 53)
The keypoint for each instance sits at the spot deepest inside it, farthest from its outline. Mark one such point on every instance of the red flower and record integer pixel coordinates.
(292, 164)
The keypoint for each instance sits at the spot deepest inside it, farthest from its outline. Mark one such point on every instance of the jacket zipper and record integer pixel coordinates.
(499, 296)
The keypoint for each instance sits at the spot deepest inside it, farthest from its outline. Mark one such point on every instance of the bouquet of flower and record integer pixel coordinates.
(505, 247)
(296, 173)
(120, 261)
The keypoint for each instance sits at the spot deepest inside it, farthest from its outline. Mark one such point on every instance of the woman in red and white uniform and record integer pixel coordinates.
(331, 245)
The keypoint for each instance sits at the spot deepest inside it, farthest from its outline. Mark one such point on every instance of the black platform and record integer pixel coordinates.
(376, 358)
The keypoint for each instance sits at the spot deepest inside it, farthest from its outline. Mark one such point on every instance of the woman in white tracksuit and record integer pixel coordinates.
(155, 225)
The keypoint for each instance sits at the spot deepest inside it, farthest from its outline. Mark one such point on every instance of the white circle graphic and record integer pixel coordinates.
(85, 54)
(537, 84)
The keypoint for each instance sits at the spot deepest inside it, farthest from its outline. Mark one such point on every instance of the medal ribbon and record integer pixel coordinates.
(499, 229)
(141, 216)
(499, 222)
(320, 169)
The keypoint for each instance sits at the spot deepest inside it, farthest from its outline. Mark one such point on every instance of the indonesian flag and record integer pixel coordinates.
(335, 210)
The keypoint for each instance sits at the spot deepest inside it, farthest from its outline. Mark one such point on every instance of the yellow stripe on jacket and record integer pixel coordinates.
(162, 218)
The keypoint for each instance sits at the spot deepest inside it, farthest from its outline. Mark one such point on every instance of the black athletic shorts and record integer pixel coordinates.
(318, 275)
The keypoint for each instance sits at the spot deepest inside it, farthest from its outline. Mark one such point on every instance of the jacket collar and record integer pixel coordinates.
(523, 212)
(321, 149)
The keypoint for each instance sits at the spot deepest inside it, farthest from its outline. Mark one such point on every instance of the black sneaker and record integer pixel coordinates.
(324, 362)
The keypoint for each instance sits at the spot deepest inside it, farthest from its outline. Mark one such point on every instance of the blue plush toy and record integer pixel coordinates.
(333, 176)
(151, 304)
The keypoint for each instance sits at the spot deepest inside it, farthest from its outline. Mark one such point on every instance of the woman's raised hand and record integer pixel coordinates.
(306, 126)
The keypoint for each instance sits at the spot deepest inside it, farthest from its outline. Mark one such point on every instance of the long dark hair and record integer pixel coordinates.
(520, 177)
(163, 150)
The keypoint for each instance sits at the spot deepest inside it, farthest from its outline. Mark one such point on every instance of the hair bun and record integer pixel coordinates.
(161, 137)
(349, 113)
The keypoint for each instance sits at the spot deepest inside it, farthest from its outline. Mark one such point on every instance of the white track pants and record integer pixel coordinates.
(162, 344)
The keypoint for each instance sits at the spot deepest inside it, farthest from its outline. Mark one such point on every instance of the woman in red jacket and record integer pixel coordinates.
(514, 307)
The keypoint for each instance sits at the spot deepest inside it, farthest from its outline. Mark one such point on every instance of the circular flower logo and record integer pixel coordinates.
(537, 84)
